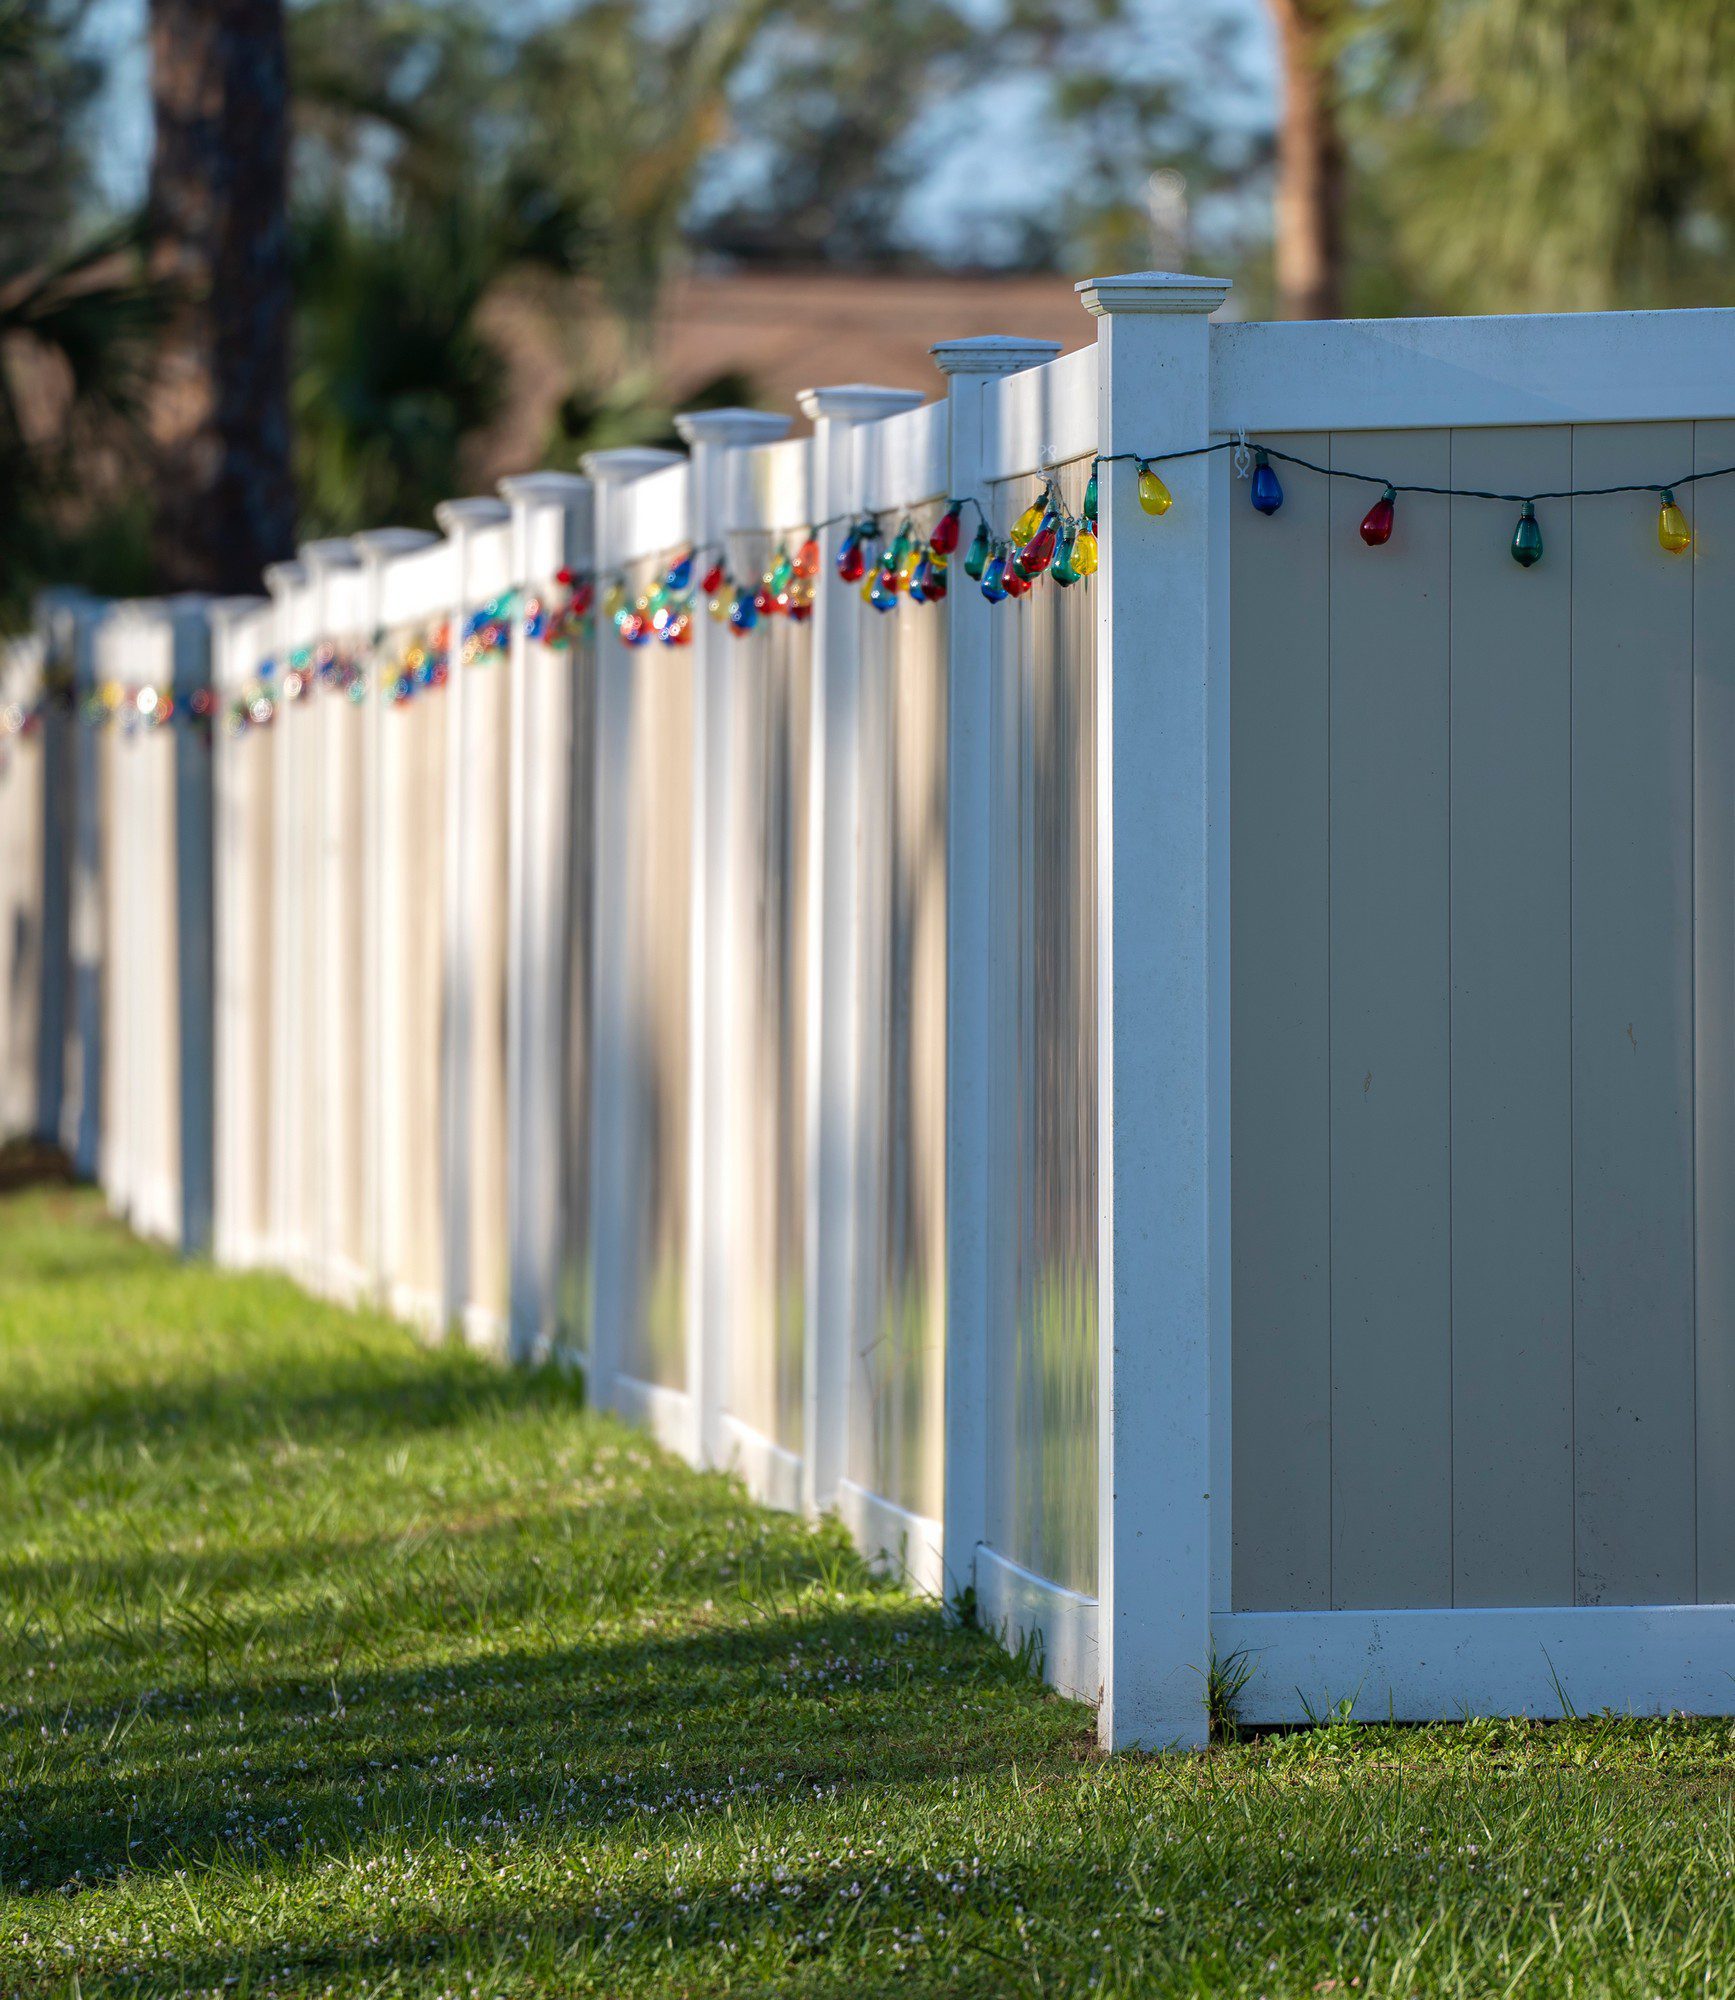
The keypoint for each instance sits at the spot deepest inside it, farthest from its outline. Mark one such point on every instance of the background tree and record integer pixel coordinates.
(1562, 155)
(76, 325)
(393, 372)
(219, 229)
(1312, 175)
(611, 113)
(824, 165)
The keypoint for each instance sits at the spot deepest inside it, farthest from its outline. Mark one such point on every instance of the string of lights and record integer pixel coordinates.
(1048, 540)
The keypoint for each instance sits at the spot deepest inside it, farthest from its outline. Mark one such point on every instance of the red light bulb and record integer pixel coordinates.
(944, 539)
(712, 581)
(1377, 522)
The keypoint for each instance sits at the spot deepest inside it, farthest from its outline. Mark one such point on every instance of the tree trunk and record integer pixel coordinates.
(225, 501)
(1310, 169)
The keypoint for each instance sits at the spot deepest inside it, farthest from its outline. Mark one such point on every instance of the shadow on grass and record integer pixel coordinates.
(27, 1163)
(623, 1733)
(381, 1394)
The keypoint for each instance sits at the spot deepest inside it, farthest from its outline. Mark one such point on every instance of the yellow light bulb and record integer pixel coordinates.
(1154, 496)
(867, 583)
(907, 568)
(718, 608)
(614, 601)
(1672, 530)
(1028, 522)
(1084, 553)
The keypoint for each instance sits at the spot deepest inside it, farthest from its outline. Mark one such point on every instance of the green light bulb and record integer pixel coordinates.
(1527, 538)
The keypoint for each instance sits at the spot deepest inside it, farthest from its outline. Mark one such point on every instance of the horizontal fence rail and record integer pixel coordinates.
(1122, 976)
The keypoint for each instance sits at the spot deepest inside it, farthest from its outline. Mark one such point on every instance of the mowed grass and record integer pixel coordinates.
(331, 1665)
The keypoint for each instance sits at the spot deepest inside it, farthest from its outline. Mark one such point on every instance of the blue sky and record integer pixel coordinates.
(971, 139)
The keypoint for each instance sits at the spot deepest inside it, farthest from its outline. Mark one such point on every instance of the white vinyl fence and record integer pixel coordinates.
(1193, 1108)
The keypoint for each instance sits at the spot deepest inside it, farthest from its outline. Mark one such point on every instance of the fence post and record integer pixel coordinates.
(192, 944)
(828, 1319)
(460, 519)
(973, 977)
(612, 1239)
(56, 620)
(117, 913)
(235, 850)
(710, 436)
(1162, 803)
(83, 1139)
(286, 581)
(551, 525)
(376, 547)
(324, 561)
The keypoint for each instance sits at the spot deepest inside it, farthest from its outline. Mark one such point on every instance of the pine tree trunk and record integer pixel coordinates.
(1310, 167)
(219, 227)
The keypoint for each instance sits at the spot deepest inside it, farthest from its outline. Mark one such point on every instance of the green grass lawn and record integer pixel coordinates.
(330, 1665)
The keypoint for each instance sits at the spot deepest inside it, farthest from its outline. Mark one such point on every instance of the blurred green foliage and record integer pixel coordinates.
(1563, 155)
(77, 322)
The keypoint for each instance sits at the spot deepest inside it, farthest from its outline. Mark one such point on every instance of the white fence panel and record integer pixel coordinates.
(1477, 1413)
(830, 1033)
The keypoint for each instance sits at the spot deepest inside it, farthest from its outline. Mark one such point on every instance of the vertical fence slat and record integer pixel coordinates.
(710, 436)
(1632, 1004)
(1280, 959)
(56, 626)
(614, 1140)
(82, 1135)
(1391, 1268)
(466, 846)
(973, 966)
(1511, 1051)
(832, 945)
(192, 942)
(379, 1026)
(551, 524)
(240, 857)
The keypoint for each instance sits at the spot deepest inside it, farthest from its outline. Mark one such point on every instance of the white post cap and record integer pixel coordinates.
(1152, 292)
(856, 402)
(732, 426)
(377, 545)
(480, 511)
(334, 552)
(629, 461)
(553, 489)
(992, 354)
